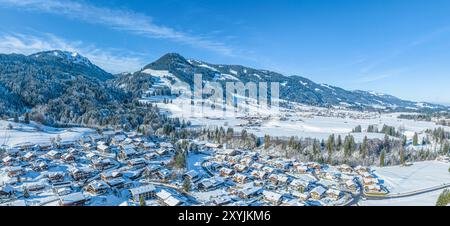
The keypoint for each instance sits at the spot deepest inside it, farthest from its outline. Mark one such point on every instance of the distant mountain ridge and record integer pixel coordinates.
(69, 88)
(292, 88)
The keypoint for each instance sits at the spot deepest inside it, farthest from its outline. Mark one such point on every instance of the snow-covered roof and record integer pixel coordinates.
(251, 191)
(306, 177)
(334, 192)
(98, 185)
(192, 174)
(119, 138)
(319, 190)
(148, 144)
(297, 182)
(71, 198)
(163, 194)
(102, 147)
(19, 202)
(13, 168)
(142, 189)
(172, 201)
(127, 146)
(129, 151)
(52, 153)
(272, 196)
(29, 155)
(7, 188)
(8, 159)
(137, 161)
(166, 145)
(350, 183)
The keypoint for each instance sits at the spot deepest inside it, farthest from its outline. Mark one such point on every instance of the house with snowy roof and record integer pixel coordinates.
(97, 187)
(318, 192)
(145, 192)
(73, 199)
(273, 197)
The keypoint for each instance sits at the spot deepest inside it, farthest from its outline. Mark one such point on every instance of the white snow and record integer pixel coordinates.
(427, 199)
(421, 175)
(167, 79)
(228, 76)
(303, 122)
(209, 67)
(233, 72)
(256, 75)
(326, 86)
(157, 73)
(36, 133)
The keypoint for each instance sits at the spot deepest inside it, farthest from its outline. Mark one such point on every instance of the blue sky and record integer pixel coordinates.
(399, 47)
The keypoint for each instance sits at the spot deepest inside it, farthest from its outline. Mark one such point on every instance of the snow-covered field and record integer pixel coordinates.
(36, 133)
(302, 122)
(427, 199)
(421, 175)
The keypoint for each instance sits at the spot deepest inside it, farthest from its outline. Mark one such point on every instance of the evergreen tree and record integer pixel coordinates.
(357, 129)
(349, 145)
(339, 142)
(26, 193)
(387, 143)
(141, 200)
(230, 133)
(404, 141)
(180, 159)
(330, 143)
(330, 146)
(363, 148)
(291, 142)
(27, 118)
(186, 185)
(316, 148)
(382, 157)
(415, 139)
(402, 155)
(445, 148)
(266, 141)
(444, 198)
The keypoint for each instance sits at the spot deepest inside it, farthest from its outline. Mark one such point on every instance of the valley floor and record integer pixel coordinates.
(304, 121)
(408, 179)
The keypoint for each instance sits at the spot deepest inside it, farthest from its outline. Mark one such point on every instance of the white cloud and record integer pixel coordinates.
(113, 61)
(122, 20)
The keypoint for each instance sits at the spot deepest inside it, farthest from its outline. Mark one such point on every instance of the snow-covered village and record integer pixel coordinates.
(119, 168)
(227, 104)
(43, 166)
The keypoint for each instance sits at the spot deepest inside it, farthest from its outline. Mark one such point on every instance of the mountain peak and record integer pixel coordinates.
(72, 57)
(172, 56)
(168, 60)
(72, 60)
